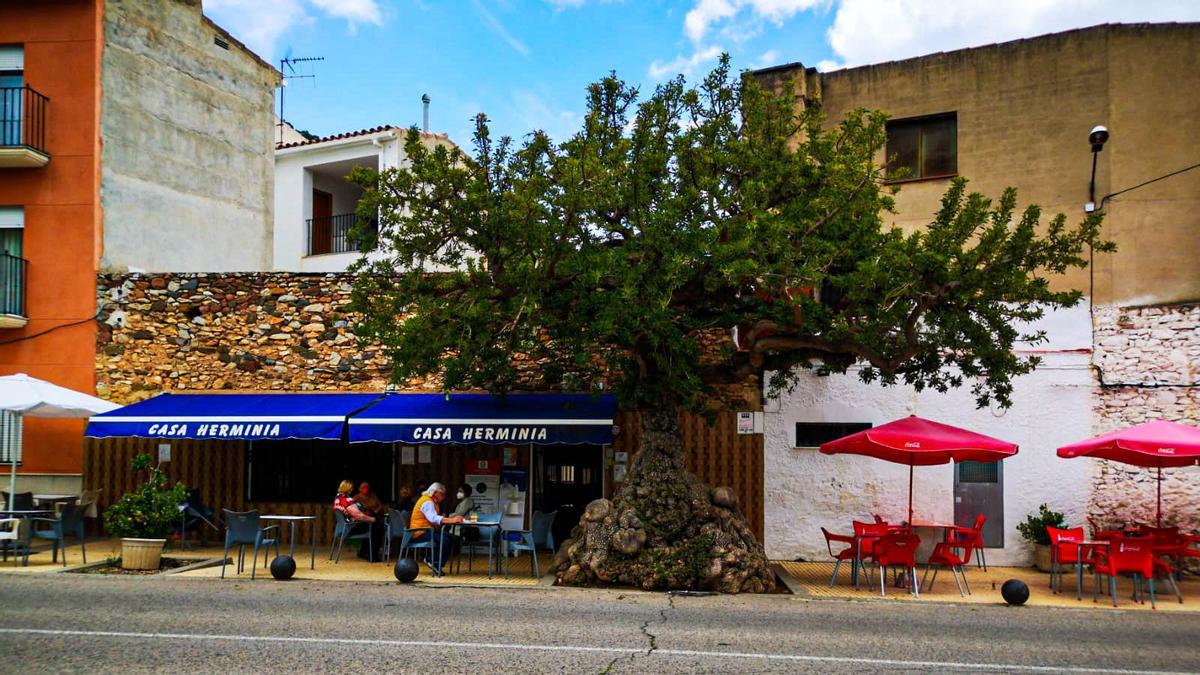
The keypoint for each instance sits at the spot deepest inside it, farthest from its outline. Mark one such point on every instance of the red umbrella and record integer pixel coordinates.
(1156, 444)
(920, 442)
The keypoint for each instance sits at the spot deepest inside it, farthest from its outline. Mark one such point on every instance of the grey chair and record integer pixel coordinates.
(543, 529)
(397, 523)
(242, 530)
(344, 531)
(10, 537)
(521, 540)
(20, 501)
(69, 521)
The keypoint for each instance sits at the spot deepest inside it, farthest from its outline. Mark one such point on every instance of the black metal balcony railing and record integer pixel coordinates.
(23, 118)
(330, 234)
(13, 272)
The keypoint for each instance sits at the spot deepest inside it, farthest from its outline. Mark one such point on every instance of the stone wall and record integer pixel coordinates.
(1149, 367)
(231, 331)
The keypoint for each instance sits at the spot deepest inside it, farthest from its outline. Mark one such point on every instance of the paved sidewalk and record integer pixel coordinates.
(812, 579)
(350, 568)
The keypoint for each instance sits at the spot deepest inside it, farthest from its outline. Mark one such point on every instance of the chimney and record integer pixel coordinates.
(425, 104)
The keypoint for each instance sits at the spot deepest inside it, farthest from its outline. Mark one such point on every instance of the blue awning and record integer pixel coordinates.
(515, 419)
(232, 416)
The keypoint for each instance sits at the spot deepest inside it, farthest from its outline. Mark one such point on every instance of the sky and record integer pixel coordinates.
(527, 63)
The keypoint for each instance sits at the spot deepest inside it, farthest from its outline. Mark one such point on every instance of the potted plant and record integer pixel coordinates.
(1033, 530)
(143, 517)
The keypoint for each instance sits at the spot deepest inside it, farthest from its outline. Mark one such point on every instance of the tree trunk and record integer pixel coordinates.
(664, 529)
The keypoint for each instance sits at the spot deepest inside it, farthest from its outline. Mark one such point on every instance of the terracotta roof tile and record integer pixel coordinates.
(360, 132)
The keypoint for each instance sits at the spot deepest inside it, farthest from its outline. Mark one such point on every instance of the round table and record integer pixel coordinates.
(291, 521)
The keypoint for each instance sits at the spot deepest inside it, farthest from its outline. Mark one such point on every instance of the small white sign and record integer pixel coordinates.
(424, 454)
(408, 454)
(621, 457)
(164, 452)
(745, 423)
(618, 473)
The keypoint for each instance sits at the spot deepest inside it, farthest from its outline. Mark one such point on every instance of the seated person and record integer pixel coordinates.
(425, 515)
(405, 501)
(344, 503)
(370, 503)
(464, 507)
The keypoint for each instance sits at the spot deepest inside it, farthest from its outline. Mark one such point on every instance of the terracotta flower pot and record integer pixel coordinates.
(1042, 557)
(141, 554)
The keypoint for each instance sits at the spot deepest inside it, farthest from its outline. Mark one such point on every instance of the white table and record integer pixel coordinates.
(291, 521)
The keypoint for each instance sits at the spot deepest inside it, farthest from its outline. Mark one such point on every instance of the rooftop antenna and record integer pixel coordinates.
(425, 104)
(287, 66)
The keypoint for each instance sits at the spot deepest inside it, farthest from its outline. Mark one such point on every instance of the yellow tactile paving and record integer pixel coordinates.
(813, 578)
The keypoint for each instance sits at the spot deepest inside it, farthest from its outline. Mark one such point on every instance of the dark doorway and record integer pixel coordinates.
(320, 236)
(566, 478)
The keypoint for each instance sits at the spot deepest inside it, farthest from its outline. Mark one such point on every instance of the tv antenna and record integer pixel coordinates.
(287, 66)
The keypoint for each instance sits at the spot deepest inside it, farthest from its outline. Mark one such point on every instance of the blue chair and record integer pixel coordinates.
(520, 540)
(489, 534)
(407, 545)
(543, 529)
(56, 529)
(242, 530)
(343, 531)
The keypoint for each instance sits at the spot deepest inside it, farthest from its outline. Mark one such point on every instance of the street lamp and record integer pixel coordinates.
(1097, 138)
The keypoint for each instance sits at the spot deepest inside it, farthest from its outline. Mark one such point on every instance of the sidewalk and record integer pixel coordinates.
(350, 568)
(812, 580)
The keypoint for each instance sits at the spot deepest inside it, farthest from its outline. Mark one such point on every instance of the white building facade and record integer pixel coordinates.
(806, 490)
(315, 202)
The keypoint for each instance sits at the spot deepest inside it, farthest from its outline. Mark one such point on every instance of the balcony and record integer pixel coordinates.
(13, 273)
(22, 128)
(330, 234)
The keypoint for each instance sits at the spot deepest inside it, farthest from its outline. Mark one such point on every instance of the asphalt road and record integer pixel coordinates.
(100, 624)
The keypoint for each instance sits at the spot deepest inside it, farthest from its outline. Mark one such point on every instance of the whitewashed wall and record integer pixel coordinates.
(806, 490)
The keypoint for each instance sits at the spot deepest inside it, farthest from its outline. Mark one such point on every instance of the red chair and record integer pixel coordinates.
(897, 549)
(974, 533)
(868, 534)
(849, 553)
(945, 555)
(1064, 550)
(1130, 555)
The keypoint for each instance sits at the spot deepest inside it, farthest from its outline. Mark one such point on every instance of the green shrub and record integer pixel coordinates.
(1033, 529)
(150, 510)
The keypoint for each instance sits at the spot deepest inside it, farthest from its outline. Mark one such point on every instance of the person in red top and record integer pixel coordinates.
(344, 502)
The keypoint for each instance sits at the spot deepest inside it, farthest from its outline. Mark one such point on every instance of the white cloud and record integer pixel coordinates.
(260, 23)
(497, 27)
(865, 31)
(768, 58)
(708, 13)
(683, 64)
(354, 11)
(535, 113)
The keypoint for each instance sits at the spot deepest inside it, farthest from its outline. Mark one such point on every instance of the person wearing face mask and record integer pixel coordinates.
(370, 504)
(425, 516)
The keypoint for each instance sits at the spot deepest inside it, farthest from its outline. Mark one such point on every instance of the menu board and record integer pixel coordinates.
(483, 475)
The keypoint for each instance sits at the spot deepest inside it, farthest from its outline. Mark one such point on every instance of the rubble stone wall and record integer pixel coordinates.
(1149, 368)
(255, 331)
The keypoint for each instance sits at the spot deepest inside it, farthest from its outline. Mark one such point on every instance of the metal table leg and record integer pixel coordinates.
(312, 561)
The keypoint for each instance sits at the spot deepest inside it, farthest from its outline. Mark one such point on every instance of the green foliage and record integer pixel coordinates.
(675, 217)
(1033, 530)
(150, 510)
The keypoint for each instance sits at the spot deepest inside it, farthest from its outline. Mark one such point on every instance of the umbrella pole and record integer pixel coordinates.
(1159, 518)
(12, 463)
(910, 482)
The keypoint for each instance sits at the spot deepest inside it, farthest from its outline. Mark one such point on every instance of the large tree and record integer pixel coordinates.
(625, 258)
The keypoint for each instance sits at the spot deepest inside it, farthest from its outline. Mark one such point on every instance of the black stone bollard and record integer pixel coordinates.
(283, 567)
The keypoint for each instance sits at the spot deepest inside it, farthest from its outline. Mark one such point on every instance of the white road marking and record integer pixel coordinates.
(796, 658)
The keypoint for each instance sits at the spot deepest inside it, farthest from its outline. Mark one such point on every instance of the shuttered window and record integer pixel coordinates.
(12, 58)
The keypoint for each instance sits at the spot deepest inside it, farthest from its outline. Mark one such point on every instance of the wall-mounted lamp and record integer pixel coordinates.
(1098, 137)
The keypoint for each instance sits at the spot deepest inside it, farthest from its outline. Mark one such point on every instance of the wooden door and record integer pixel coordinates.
(320, 234)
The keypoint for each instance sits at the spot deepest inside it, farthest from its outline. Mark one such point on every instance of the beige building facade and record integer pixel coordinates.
(1019, 114)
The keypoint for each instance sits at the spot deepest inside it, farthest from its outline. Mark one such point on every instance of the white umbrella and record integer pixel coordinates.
(30, 397)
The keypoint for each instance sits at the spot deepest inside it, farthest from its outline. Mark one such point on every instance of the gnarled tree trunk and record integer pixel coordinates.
(664, 529)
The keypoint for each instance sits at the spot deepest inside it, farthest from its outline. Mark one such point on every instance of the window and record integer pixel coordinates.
(309, 471)
(12, 81)
(923, 147)
(12, 265)
(813, 434)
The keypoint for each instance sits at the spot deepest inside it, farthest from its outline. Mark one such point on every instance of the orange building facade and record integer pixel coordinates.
(56, 48)
(90, 174)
